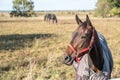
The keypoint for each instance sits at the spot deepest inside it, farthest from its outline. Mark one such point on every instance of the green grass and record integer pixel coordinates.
(32, 50)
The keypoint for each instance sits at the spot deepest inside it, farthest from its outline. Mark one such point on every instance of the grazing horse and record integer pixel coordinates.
(52, 17)
(88, 53)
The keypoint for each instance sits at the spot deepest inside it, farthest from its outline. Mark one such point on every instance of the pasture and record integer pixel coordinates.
(31, 49)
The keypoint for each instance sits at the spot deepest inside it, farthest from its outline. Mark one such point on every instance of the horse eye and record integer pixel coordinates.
(83, 37)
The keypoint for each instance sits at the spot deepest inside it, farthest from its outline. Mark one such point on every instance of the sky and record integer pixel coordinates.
(55, 4)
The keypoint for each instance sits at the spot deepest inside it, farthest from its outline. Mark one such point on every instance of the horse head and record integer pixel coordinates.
(81, 38)
(84, 40)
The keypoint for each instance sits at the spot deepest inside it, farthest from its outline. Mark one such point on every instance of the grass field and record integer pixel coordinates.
(31, 49)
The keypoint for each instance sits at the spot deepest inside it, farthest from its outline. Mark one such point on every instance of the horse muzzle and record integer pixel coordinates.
(68, 60)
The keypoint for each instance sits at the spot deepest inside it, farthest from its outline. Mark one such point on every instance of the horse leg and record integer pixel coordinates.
(49, 21)
(56, 21)
(53, 21)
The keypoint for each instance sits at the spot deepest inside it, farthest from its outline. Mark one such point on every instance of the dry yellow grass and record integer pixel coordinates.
(31, 49)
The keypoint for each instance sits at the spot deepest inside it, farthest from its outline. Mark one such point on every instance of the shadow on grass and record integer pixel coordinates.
(19, 41)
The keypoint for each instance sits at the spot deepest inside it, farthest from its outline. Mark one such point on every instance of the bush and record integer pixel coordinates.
(115, 11)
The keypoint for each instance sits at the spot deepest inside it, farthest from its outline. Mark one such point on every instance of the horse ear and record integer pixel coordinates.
(79, 22)
(88, 21)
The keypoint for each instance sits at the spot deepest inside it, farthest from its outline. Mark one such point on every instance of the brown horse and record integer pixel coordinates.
(49, 17)
(88, 50)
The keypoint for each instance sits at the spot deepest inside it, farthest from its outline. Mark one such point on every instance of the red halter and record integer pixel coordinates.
(83, 50)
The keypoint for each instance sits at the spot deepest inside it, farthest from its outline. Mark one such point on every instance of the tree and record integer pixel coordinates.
(107, 7)
(115, 4)
(23, 8)
(103, 8)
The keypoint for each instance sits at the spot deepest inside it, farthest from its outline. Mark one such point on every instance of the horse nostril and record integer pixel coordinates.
(66, 57)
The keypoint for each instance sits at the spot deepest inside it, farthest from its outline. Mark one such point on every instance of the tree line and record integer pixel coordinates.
(103, 8)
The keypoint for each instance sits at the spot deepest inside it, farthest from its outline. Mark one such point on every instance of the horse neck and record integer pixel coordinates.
(96, 53)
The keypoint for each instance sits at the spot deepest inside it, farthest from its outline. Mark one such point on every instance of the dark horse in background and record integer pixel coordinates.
(88, 53)
(49, 17)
